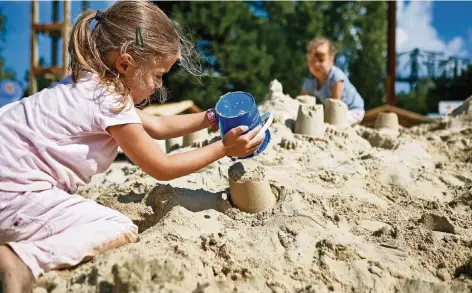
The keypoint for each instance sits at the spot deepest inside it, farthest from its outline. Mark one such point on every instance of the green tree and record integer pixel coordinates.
(245, 45)
(357, 29)
(233, 56)
(291, 25)
(449, 89)
(417, 99)
(367, 65)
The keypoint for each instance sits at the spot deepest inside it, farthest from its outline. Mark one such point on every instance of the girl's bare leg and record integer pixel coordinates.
(15, 276)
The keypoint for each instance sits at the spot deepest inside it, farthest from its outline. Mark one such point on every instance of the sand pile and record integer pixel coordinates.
(357, 210)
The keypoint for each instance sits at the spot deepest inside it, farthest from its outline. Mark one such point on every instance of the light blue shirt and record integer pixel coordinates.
(349, 96)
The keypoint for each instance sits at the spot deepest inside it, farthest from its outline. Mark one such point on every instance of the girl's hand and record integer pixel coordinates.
(237, 145)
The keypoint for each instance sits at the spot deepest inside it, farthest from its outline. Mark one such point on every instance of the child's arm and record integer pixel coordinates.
(172, 126)
(337, 90)
(144, 151)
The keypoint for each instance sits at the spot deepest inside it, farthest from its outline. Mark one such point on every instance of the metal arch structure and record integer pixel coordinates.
(417, 63)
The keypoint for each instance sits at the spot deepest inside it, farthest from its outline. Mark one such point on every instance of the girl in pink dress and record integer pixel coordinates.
(55, 140)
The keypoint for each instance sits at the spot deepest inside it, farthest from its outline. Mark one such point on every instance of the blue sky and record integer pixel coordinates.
(435, 26)
(444, 26)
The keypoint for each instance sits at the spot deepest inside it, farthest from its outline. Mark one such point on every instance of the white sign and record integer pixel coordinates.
(446, 107)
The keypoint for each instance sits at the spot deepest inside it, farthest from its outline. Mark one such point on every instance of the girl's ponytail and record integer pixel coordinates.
(83, 51)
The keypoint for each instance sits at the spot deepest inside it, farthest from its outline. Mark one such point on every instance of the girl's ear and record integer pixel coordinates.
(122, 63)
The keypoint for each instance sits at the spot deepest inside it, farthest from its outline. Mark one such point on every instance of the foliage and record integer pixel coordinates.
(417, 99)
(245, 45)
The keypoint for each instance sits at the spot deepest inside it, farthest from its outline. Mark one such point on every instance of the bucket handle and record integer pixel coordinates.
(269, 117)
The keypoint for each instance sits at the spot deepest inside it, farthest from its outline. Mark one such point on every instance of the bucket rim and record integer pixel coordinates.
(232, 93)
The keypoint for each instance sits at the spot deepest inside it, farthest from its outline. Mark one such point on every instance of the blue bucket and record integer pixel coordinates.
(239, 108)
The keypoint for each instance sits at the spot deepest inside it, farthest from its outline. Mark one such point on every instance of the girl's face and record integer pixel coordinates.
(143, 83)
(320, 61)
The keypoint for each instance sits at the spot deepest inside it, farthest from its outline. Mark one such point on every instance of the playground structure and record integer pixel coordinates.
(57, 30)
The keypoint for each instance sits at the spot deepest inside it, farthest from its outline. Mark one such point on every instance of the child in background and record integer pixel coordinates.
(54, 141)
(328, 81)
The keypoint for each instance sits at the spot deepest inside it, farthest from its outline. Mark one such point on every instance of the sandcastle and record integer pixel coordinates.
(195, 137)
(336, 113)
(275, 87)
(249, 188)
(387, 120)
(173, 144)
(306, 99)
(310, 120)
(162, 144)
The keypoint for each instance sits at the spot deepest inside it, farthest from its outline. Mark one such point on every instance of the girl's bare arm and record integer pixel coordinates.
(337, 90)
(142, 150)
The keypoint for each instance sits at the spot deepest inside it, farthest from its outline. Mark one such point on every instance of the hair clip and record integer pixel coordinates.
(99, 16)
(139, 37)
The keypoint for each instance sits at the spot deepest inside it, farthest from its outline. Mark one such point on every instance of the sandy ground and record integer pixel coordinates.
(358, 210)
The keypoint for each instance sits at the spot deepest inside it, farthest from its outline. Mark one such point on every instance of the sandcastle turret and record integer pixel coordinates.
(336, 113)
(195, 137)
(173, 144)
(249, 188)
(310, 120)
(306, 99)
(387, 120)
(275, 89)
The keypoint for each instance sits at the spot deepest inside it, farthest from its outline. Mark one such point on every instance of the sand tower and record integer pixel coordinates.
(310, 120)
(249, 188)
(197, 136)
(173, 144)
(336, 113)
(306, 99)
(387, 120)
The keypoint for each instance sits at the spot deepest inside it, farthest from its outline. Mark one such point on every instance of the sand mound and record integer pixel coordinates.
(358, 210)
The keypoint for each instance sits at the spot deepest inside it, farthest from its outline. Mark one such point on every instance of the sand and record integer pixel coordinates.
(358, 210)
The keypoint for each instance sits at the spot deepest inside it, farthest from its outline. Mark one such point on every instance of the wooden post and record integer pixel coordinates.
(65, 36)
(391, 53)
(55, 38)
(33, 84)
(84, 5)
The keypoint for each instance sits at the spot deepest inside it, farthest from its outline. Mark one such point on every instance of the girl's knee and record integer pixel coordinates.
(124, 221)
(125, 235)
(128, 230)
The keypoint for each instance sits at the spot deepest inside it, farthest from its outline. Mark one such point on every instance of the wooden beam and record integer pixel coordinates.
(391, 53)
(54, 70)
(48, 28)
(84, 5)
(55, 37)
(195, 109)
(33, 84)
(66, 28)
(170, 108)
(405, 117)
